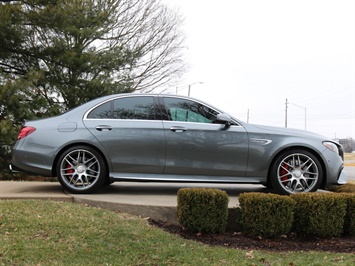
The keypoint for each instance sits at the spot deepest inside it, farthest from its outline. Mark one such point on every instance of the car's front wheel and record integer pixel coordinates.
(81, 169)
(296, 171)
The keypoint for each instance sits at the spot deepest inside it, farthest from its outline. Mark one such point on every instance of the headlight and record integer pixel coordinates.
(331, 146)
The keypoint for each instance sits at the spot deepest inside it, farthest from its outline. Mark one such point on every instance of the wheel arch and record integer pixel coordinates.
(298, 147)
(55, 161)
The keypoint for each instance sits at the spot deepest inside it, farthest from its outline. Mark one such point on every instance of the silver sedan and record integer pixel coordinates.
(169, 138)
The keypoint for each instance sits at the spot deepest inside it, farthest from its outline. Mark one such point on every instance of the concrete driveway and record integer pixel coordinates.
(161, 194)
(154, 200)
(350, 171)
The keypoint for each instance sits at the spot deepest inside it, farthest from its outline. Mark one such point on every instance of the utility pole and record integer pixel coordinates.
(191, 85)
(303, 108)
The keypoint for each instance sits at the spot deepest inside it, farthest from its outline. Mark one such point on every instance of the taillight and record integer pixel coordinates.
(25, 131)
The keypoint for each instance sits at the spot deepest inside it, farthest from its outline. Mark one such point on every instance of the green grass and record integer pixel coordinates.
(58, 233)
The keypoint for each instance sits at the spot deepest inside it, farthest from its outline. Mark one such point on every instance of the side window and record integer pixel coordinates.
(189, 111)
(103, 111)
(141, 108)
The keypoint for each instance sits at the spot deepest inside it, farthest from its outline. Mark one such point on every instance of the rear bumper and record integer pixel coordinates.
(29, 169)
(30, 162)
(13, 169)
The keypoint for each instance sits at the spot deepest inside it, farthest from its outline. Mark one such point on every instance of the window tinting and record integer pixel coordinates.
(134, 108)
(189, 111)
(141, 108)
(103, 111)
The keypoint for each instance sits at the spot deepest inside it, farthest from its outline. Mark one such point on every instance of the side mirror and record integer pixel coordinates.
(224, 119)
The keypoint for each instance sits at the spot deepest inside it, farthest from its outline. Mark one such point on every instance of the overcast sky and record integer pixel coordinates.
(252, 55)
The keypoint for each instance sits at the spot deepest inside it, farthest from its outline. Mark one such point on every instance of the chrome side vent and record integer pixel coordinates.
(261, 141)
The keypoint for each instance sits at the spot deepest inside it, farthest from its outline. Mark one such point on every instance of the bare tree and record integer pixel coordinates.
(151, 29)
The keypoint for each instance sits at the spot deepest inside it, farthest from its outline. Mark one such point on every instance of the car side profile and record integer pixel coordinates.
(171, 138)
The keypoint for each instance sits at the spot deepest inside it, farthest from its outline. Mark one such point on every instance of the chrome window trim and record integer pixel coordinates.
(237, 123)
(196, 123)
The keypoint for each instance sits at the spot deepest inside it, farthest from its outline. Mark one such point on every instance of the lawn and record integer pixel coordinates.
(58, 233)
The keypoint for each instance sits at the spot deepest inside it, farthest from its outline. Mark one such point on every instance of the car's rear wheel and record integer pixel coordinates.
(296, 171)
(81, 169)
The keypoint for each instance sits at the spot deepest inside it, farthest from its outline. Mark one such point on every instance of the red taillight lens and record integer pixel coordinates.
(25, 131)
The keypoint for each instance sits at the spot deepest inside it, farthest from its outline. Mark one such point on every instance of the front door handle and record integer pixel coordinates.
(103, 127)
(178, 129)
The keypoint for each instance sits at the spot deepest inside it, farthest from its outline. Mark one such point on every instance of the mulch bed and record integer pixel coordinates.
(290, 242)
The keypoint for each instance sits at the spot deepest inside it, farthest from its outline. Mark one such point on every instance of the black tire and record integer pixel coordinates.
(81, 169)
(296, 171)
(107, 182)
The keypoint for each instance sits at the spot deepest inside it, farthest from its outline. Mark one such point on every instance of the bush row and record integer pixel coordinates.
(268, 215)
(347, 188)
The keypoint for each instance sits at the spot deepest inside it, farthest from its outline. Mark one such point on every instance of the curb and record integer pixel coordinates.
(159, 213)
(164, 213)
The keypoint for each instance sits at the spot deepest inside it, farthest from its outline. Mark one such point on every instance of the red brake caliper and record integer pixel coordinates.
(69, 171)
(283, 173)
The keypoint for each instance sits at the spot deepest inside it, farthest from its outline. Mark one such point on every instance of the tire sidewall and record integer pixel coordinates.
(99, 182)
(274, 168)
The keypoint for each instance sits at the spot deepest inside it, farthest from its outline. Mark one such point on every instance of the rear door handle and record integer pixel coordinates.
(178, 129)
(103, 127)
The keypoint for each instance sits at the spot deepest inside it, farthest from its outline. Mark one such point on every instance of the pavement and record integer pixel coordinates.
(154, 200)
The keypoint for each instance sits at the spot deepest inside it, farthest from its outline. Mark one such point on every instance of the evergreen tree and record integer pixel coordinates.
(58, 54)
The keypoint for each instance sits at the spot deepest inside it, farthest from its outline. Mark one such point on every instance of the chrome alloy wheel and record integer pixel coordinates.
(298, 172)
(80, 169)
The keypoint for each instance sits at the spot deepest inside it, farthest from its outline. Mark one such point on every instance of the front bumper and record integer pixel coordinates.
(342, 178)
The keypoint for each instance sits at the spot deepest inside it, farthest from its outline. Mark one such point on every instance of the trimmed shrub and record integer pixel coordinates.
(347, 188)
(349, 223)
(266, 215)
(319, 214)
(238, 219)
(202, 209)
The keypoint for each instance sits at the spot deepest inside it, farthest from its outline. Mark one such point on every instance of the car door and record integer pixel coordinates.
(195, 145)
(127, 129)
